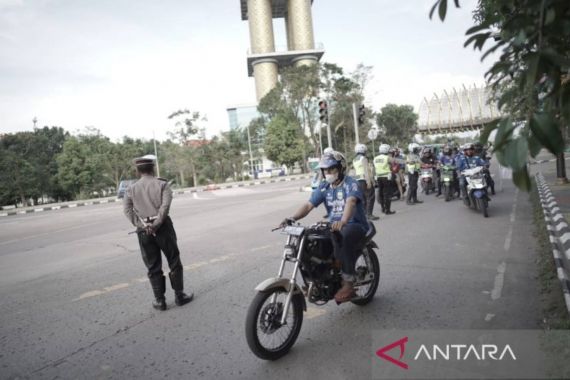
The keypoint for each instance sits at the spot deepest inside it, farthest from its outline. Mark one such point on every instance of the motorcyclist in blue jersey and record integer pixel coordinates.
(481, 152)
(344, 202)
(467, 161)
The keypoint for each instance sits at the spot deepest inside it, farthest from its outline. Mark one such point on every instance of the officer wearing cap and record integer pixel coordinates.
(146, 205)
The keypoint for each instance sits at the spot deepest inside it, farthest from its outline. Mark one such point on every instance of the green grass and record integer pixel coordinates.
(553, 308)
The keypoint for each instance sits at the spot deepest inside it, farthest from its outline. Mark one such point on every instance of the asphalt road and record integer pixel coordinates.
(75, 301)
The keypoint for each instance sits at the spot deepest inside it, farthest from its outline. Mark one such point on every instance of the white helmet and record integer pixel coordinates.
(360, 148)
(412, 147)
(384, 148)
(328, 150)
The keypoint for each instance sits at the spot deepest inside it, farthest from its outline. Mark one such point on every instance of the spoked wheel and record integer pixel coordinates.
(367, 276)
(267, 338)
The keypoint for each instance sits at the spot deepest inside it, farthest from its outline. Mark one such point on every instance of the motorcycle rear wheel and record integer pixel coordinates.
(367, 263)
(263, 327)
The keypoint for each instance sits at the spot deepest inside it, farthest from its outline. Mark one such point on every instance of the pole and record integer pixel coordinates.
(321, 137)
(355, 115)
(156, 155)
(329, 137)
(250, 154)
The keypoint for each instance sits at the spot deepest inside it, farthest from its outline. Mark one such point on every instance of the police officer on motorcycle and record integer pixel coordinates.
(365, 182)
(345, 205)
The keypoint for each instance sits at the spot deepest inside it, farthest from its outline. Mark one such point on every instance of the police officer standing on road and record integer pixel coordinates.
(146, 205)
(362, 175)
(413, 165)
(383, 175)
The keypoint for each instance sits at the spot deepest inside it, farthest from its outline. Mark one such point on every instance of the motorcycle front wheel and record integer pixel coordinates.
(484, 207)
(368, 276)
(447, 192)
(267, 338)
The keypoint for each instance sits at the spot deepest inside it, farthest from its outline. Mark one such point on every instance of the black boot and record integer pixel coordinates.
(177, 282)
(388, 206)
(158, 288)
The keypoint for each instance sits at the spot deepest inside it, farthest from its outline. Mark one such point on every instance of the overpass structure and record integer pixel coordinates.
(468, 109)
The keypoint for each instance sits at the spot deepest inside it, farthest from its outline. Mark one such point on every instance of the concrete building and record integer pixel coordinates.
(263, 59)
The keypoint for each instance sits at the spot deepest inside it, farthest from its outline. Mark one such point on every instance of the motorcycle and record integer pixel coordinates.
(426, 178)
(448, 180)
(476, 189)
(275, 315)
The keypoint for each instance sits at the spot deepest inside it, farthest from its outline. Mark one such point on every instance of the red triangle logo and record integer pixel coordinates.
(399, 343)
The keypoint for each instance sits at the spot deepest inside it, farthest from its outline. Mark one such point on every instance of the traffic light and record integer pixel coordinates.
(323, 112)
(361, 114)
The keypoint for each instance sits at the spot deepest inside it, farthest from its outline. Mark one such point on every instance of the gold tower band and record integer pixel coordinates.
(299, 29)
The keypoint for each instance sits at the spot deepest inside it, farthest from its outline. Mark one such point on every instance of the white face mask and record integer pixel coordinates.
(331, 178)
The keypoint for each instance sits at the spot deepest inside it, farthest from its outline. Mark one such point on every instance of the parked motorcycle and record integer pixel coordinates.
(275, 314)
(426, 178)
(476, 189)
(448, 180)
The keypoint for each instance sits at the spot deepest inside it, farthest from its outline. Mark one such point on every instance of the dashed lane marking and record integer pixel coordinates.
(499, 281)
(193, 266)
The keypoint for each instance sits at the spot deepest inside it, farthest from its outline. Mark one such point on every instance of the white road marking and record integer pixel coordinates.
(499, 281)
(508, 239)
(108, 289)
(488, 317)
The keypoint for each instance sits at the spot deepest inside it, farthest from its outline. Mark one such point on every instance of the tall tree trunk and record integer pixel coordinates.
(193, 168)
(182, 183)
(561, 169)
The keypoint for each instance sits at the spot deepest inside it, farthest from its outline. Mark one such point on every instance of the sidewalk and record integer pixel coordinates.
(175, 192)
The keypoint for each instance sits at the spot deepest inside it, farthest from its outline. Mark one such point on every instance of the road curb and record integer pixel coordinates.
(558, 234)
(175, 192)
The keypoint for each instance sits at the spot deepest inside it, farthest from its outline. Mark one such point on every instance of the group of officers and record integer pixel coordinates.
(387, 171)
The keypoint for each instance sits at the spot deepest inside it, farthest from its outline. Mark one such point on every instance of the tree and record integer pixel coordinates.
(187, 125)
(295, 94)
(83, 162)
(283, 144)
(530, 78)
(397, 124)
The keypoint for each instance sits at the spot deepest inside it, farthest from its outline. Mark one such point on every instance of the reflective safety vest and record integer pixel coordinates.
(359, 167)
(381, 166)
(412, 162)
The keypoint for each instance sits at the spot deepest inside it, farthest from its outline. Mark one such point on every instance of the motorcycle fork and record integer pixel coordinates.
(292, 281)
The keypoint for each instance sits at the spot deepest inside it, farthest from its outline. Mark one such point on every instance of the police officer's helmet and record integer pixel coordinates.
(333, 159)
(328, 150)
(468, 146)
(384, 149)
(360, 148)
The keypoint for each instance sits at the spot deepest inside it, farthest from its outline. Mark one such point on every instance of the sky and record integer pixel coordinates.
(123, 66)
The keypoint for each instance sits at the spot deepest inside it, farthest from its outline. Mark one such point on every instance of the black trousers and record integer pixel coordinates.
(369, 196)
(151, 247)
(385, 191)
(346, 245)
(413, 184)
